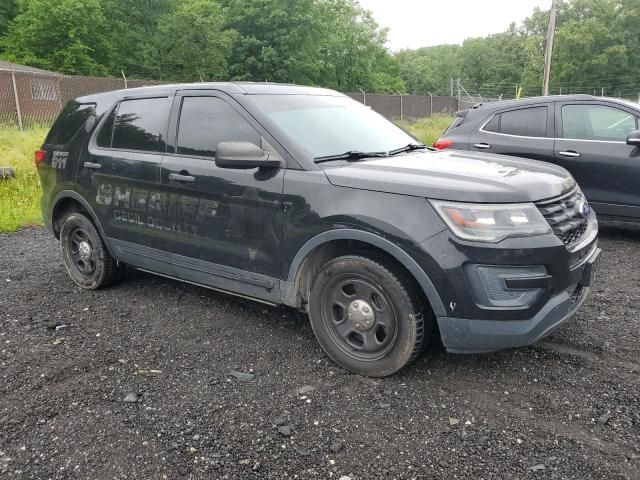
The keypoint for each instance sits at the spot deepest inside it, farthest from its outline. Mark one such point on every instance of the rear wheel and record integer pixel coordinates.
(370, 318)
(85, 255)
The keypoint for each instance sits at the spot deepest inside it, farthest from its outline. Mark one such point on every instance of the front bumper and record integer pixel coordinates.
(464, 335)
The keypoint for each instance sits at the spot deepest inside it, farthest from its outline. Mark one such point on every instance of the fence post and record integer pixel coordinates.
(430, 104)
(364, 96)
(401, 108)
(15, 95)
(124, 78)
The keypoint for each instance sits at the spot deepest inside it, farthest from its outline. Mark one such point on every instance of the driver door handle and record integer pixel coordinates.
(482, 146)
(176, 177)
(569, 153)
(92, 166)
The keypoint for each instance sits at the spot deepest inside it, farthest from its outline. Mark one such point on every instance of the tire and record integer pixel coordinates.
(85, 255)
(369, 318)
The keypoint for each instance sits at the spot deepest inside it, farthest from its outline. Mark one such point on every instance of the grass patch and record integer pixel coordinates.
(20, 196)
(427, 129)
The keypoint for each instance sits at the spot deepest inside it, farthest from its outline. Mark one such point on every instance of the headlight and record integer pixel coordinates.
(491, 223)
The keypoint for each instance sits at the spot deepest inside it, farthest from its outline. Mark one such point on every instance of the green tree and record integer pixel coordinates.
(133, 35)
(353, 50)
(66, 36)
(429, 69)
(8, 11)
(194, 42)
(277, 40)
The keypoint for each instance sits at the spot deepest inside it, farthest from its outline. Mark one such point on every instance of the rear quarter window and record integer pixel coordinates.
(70, 121)
(524, 122)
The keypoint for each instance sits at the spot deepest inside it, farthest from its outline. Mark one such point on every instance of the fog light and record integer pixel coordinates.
(504, 286)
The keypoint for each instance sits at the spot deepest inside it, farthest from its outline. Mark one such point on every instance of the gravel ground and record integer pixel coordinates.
(136, 382)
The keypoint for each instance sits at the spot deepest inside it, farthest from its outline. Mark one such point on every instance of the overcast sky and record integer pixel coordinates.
(421, 23)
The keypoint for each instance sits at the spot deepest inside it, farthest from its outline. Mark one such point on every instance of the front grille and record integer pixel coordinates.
(564, 216)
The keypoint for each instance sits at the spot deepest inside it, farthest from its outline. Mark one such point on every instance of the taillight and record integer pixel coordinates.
(39, 157)
(443, 143)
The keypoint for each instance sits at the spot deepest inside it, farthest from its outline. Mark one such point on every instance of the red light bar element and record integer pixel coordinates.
(40, 157)
(443, 143)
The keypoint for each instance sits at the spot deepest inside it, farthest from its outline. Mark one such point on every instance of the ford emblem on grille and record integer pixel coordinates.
(584, 209)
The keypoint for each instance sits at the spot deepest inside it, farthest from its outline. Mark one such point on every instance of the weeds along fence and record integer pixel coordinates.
(29, 99)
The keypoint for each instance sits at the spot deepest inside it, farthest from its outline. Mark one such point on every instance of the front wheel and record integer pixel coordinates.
(369, 318)
(85, 255)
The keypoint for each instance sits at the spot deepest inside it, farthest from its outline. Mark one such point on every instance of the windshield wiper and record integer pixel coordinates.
(351, 155)
(409, 148)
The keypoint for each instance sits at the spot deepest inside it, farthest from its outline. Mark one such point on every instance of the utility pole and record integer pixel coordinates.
(549, 51)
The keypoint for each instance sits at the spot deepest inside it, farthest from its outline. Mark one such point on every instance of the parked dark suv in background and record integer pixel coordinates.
(596, 139)
(304, 197)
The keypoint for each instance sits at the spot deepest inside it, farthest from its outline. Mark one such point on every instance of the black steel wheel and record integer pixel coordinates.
(81, 252)
(368, 317)
(85, 255)
(359, 317)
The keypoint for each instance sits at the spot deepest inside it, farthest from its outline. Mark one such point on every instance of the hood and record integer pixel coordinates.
(457, 176)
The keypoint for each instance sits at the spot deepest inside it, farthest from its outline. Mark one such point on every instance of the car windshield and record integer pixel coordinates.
(326, 126)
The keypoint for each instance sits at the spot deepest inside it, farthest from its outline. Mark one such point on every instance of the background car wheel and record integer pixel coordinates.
(85, 256)
(368, 317)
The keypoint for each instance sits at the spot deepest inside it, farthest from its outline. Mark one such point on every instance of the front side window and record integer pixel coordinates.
(597, 122)
(526, 122)
(207, 121)
(136, 125)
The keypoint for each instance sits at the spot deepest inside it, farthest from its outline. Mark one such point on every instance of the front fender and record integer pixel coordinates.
(288, 287)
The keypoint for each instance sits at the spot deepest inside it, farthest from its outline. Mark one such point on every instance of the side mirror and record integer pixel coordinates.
(244, 156)
(634, 138)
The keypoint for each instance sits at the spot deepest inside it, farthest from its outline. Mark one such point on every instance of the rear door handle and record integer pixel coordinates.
(482, 146)
(92, 166)
(569, 153)
(176, 177)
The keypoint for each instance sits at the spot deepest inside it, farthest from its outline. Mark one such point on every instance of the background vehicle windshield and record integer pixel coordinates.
(325, 125)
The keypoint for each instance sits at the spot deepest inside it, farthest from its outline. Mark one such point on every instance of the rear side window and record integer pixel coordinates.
(136, 125)
(69, 122)
(207, 121)
(526, 122)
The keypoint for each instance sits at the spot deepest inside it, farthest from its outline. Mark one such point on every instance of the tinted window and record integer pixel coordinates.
(597, 122)
(105, 135)
(459, 120)
(526, 122)
(207, 121)
(138, 125)
(493, 125)
(70, 120)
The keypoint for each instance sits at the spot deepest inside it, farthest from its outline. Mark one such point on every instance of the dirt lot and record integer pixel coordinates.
(134, 382)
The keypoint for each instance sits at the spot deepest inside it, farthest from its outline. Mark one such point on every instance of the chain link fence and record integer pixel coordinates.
(29, 99)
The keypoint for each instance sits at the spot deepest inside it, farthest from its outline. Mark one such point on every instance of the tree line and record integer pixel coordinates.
(331, 43)
(597, 47)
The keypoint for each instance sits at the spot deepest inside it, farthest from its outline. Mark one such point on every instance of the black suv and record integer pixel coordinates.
(596, 139)
(304, 197)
